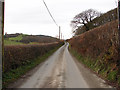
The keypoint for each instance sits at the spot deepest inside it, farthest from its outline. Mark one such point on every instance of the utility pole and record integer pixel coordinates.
(61, 35)
(118, 63)
(119, 15)
(119, 22)
(59, 32)
(1, 40)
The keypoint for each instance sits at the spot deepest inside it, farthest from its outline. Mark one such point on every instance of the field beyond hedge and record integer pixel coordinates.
(23, 39)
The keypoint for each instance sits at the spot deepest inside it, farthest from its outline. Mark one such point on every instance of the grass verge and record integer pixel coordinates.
(103, 70)
(14, 74)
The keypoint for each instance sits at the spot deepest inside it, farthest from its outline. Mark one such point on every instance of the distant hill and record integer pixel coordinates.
(39, 39)
(20, 38)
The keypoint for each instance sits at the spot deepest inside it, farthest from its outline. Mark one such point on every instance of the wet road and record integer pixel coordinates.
(60, 70)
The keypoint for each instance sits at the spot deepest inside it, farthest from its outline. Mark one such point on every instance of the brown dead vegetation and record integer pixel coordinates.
(102, 45)
(17, 55)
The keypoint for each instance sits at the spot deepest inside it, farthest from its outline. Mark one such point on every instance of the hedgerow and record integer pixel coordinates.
(17, 55)
(101, 44)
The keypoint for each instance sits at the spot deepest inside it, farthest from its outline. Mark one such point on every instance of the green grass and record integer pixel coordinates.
(18, 38)
(16, 41)
(13, 40)
(34, 43)
(119, 80)
(112, 76)
(13, 75)
(85, 60)
(9, 42)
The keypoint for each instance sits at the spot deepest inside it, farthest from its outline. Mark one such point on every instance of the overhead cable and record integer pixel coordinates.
(50, 13)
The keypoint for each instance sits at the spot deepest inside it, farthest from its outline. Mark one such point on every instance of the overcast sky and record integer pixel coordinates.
(31, 16)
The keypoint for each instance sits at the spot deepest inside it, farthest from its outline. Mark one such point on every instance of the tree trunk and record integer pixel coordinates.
(87, 28)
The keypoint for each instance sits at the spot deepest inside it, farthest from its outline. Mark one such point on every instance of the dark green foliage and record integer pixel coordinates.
(112, 76)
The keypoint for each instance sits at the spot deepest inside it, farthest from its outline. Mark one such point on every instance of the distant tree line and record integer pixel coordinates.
(90, 19)
(12, 35)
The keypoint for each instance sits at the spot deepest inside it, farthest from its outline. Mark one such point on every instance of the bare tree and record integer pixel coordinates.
(84, 18)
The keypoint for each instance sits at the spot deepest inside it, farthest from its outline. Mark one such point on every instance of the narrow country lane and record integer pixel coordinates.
(60, 71)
